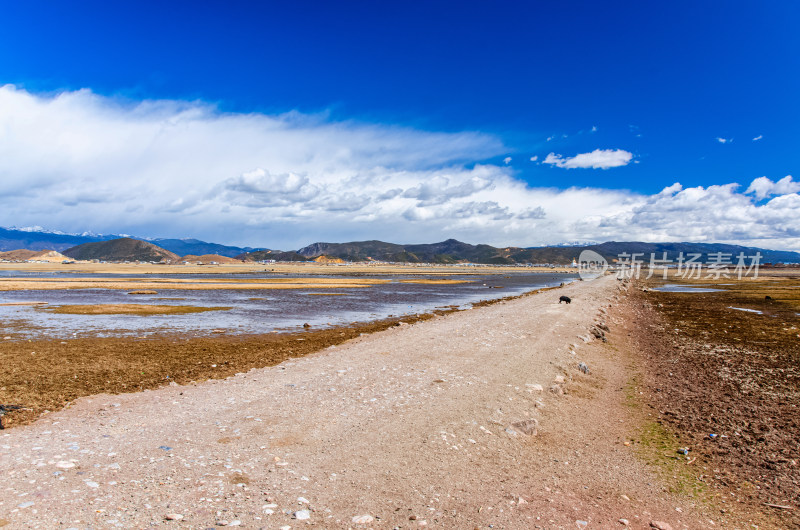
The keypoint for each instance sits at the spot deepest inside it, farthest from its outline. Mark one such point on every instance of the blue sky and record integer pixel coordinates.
(645, 96)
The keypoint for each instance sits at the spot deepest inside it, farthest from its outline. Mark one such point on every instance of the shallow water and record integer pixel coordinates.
(253, 311)
(675, 288)
(748, 310)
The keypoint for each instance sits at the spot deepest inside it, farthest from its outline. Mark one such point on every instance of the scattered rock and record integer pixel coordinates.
(65, 465)
(583, 367)
(582, 524)
(363, 519)
(529, 427)
(174, 517)
(306, 325)
(624, 522)
(660, 525)
(559, 379)
(302, 515)
(535, 387)
(557, 390)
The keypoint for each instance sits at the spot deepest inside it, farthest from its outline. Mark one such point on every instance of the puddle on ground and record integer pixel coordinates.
(748, 310)
(254, 311)
(675, 288)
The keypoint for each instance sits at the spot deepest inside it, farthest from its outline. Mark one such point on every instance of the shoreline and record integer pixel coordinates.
(89, 366)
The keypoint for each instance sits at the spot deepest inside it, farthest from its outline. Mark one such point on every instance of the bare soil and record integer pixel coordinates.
(727, 383)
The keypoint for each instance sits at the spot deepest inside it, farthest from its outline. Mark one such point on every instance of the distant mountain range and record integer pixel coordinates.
(453, 251)
(115, 248)
(37, 238)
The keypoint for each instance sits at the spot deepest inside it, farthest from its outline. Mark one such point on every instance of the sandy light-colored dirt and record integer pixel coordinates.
(430, 424)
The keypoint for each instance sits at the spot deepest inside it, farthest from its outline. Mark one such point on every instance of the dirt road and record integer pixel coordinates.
(429, 424)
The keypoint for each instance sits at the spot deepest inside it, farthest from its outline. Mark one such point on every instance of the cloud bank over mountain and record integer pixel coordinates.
(80, 161)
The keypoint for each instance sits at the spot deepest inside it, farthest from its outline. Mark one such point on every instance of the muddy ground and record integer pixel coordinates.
(727, 382)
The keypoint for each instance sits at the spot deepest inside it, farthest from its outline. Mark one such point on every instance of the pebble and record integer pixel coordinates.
(65, 465)
(660, 525)
(624, 522)
(25, 504)
(363, 519)
(173, 517)
(235, 523)
(529, 427)
(302, 500)
(535, 386)
(582, 524)
(302, 515)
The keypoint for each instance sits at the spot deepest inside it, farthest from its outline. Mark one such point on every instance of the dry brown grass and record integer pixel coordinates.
(131, 309)
(47, 375)
(434, 282)
(278, 268)
(146, 284)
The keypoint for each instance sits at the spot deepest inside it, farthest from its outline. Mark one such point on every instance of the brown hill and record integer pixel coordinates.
(209, 258)
(122, 249)
(38, 255)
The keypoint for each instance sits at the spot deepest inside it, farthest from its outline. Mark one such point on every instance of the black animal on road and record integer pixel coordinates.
(566, 299)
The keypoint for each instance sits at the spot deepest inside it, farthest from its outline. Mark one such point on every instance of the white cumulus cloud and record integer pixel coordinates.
(597, 159)
(77, 161)
(724, 140)
(763, 187)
